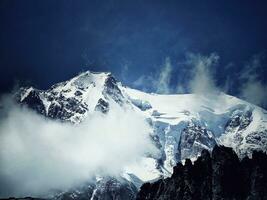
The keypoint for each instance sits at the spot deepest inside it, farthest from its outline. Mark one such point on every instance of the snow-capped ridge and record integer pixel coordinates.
(72, 100)
(181, 125)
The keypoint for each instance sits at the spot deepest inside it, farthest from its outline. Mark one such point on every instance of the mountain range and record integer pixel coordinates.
(182, 126)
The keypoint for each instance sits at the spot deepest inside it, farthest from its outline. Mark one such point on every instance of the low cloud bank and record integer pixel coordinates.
(38, 155)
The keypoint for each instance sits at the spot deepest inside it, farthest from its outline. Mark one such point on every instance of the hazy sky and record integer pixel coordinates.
(44, 42)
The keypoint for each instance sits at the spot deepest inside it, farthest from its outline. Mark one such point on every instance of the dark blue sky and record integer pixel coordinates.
(44, 42)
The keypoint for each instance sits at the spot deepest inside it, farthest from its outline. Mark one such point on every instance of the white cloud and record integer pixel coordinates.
(254, 92)
(159, 81)
(162, 85)
(252, 89)
(145, 83)
(38, 154)
(180, 89)
(202, 81)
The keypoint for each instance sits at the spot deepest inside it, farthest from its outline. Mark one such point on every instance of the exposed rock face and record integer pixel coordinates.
(34, 101)
(194, 138)
(102, 106)
(218, 176)
(111, 90)
(239, 120)
(142, 105)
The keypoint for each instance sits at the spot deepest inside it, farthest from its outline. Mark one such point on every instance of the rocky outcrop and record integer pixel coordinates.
(194, 138)
(220, 175)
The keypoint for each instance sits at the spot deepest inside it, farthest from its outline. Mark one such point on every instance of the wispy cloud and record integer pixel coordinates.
(202, 81)
(124, 71)
(200, 78)
(180, 89)
(159, 81)
(163, 83)
(252, 88)
(145, 83)
(255, 92)
(201, 71)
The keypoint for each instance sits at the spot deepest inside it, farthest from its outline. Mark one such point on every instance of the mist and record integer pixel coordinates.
(199, 70)
(253, 89)
(158, 81)
(38, 155)
(162, 85)
(202, 81)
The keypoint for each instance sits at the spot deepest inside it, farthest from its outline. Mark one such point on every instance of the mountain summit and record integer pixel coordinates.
(72, 100)
(182, 125)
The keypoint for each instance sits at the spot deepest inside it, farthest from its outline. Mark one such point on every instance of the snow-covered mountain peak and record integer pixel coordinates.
(89, 92)
(88, 78)
(83, 81)
(72, 100)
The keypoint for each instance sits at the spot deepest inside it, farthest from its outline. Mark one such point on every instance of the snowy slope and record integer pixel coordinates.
(185, 124)
(181, 125)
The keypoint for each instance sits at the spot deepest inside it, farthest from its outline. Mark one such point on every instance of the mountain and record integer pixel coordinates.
(220, 175)
(182, 125)
(72, 100)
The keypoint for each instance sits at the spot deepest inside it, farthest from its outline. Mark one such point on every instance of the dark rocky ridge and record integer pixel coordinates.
(220, 175)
